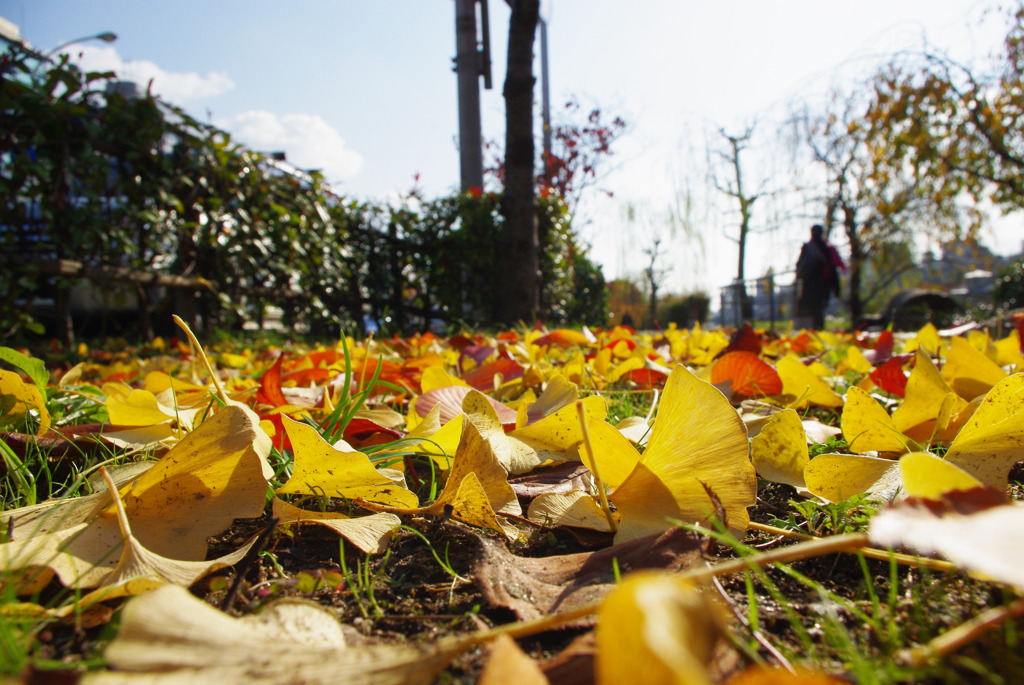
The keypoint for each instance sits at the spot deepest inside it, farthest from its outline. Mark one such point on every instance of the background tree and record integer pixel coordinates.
(520, 256)
(730, 182)
(960, 130)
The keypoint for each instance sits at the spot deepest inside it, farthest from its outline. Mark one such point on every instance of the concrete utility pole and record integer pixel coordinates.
(472, 60)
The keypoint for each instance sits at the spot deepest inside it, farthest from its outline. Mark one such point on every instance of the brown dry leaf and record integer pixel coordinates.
(509, 664)
(533, 587)
(655, 628)
(975, 529)
(369, 533)
(168, 636)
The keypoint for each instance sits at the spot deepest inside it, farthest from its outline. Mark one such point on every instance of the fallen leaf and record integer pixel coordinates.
(992, 440)
(806, 386)
(17, 399)
(698, 443)
(216, 474)
(370, 533)
(509, 664)
(926, 475)
(168, 637)
(835, 477)
(321, 468)
(533, 587)
(868, 427)
(779, 451)
(750, 375)
(963, 527)
(969, 372)
(655, 628)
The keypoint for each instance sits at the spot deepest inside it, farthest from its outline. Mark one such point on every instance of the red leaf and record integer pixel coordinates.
(482, 378)
(270, 386)
(890, 377)
(750, 375)
(745, 339)
(646, 378)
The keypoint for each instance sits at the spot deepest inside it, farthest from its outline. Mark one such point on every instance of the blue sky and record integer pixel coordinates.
(365, 91)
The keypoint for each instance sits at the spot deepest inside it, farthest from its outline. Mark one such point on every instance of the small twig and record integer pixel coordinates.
(246, 564)
(870, 552)
(963, 634)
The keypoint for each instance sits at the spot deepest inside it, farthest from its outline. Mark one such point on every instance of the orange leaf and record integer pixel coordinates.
(750, 375)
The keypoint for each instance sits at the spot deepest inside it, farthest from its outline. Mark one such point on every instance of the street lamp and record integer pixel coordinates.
(106, 37)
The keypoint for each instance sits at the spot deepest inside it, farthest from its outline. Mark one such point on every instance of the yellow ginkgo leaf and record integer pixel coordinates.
(655, 628)
(806, 386)
(477, 487)
(868, 427)
(779, 451)
(513, 454)
(928, 476)
(616, 456)
(575, 508)
(697, 461)
(835, 477)
(968, 371)
(477, 463)
(992, 440)
(925, 393)
(128, 407)
(369, 533)
(430, 439)
(216, 474)
(928, 339)
(559, 434)
(17, 399)
(321, 468)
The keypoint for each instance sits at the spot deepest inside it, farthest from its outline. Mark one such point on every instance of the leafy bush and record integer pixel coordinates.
(137, 192)
(1009, 289)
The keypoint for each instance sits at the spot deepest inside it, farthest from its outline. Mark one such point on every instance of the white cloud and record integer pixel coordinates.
(176, 87)
(308, 140)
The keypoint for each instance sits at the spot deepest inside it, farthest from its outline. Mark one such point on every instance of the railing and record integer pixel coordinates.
(762, 299)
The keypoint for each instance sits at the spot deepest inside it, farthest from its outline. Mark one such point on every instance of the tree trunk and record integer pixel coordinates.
(520, 290)
(856, 260)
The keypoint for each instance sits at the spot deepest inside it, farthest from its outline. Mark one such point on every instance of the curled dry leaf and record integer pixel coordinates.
(214, 475)
(168, 636)
(533, 587)
(509, 664)
(369, 533)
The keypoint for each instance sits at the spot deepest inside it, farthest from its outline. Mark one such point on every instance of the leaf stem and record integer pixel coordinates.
(581, 410)
(963, 634)
(202, 355)
(870, 552)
